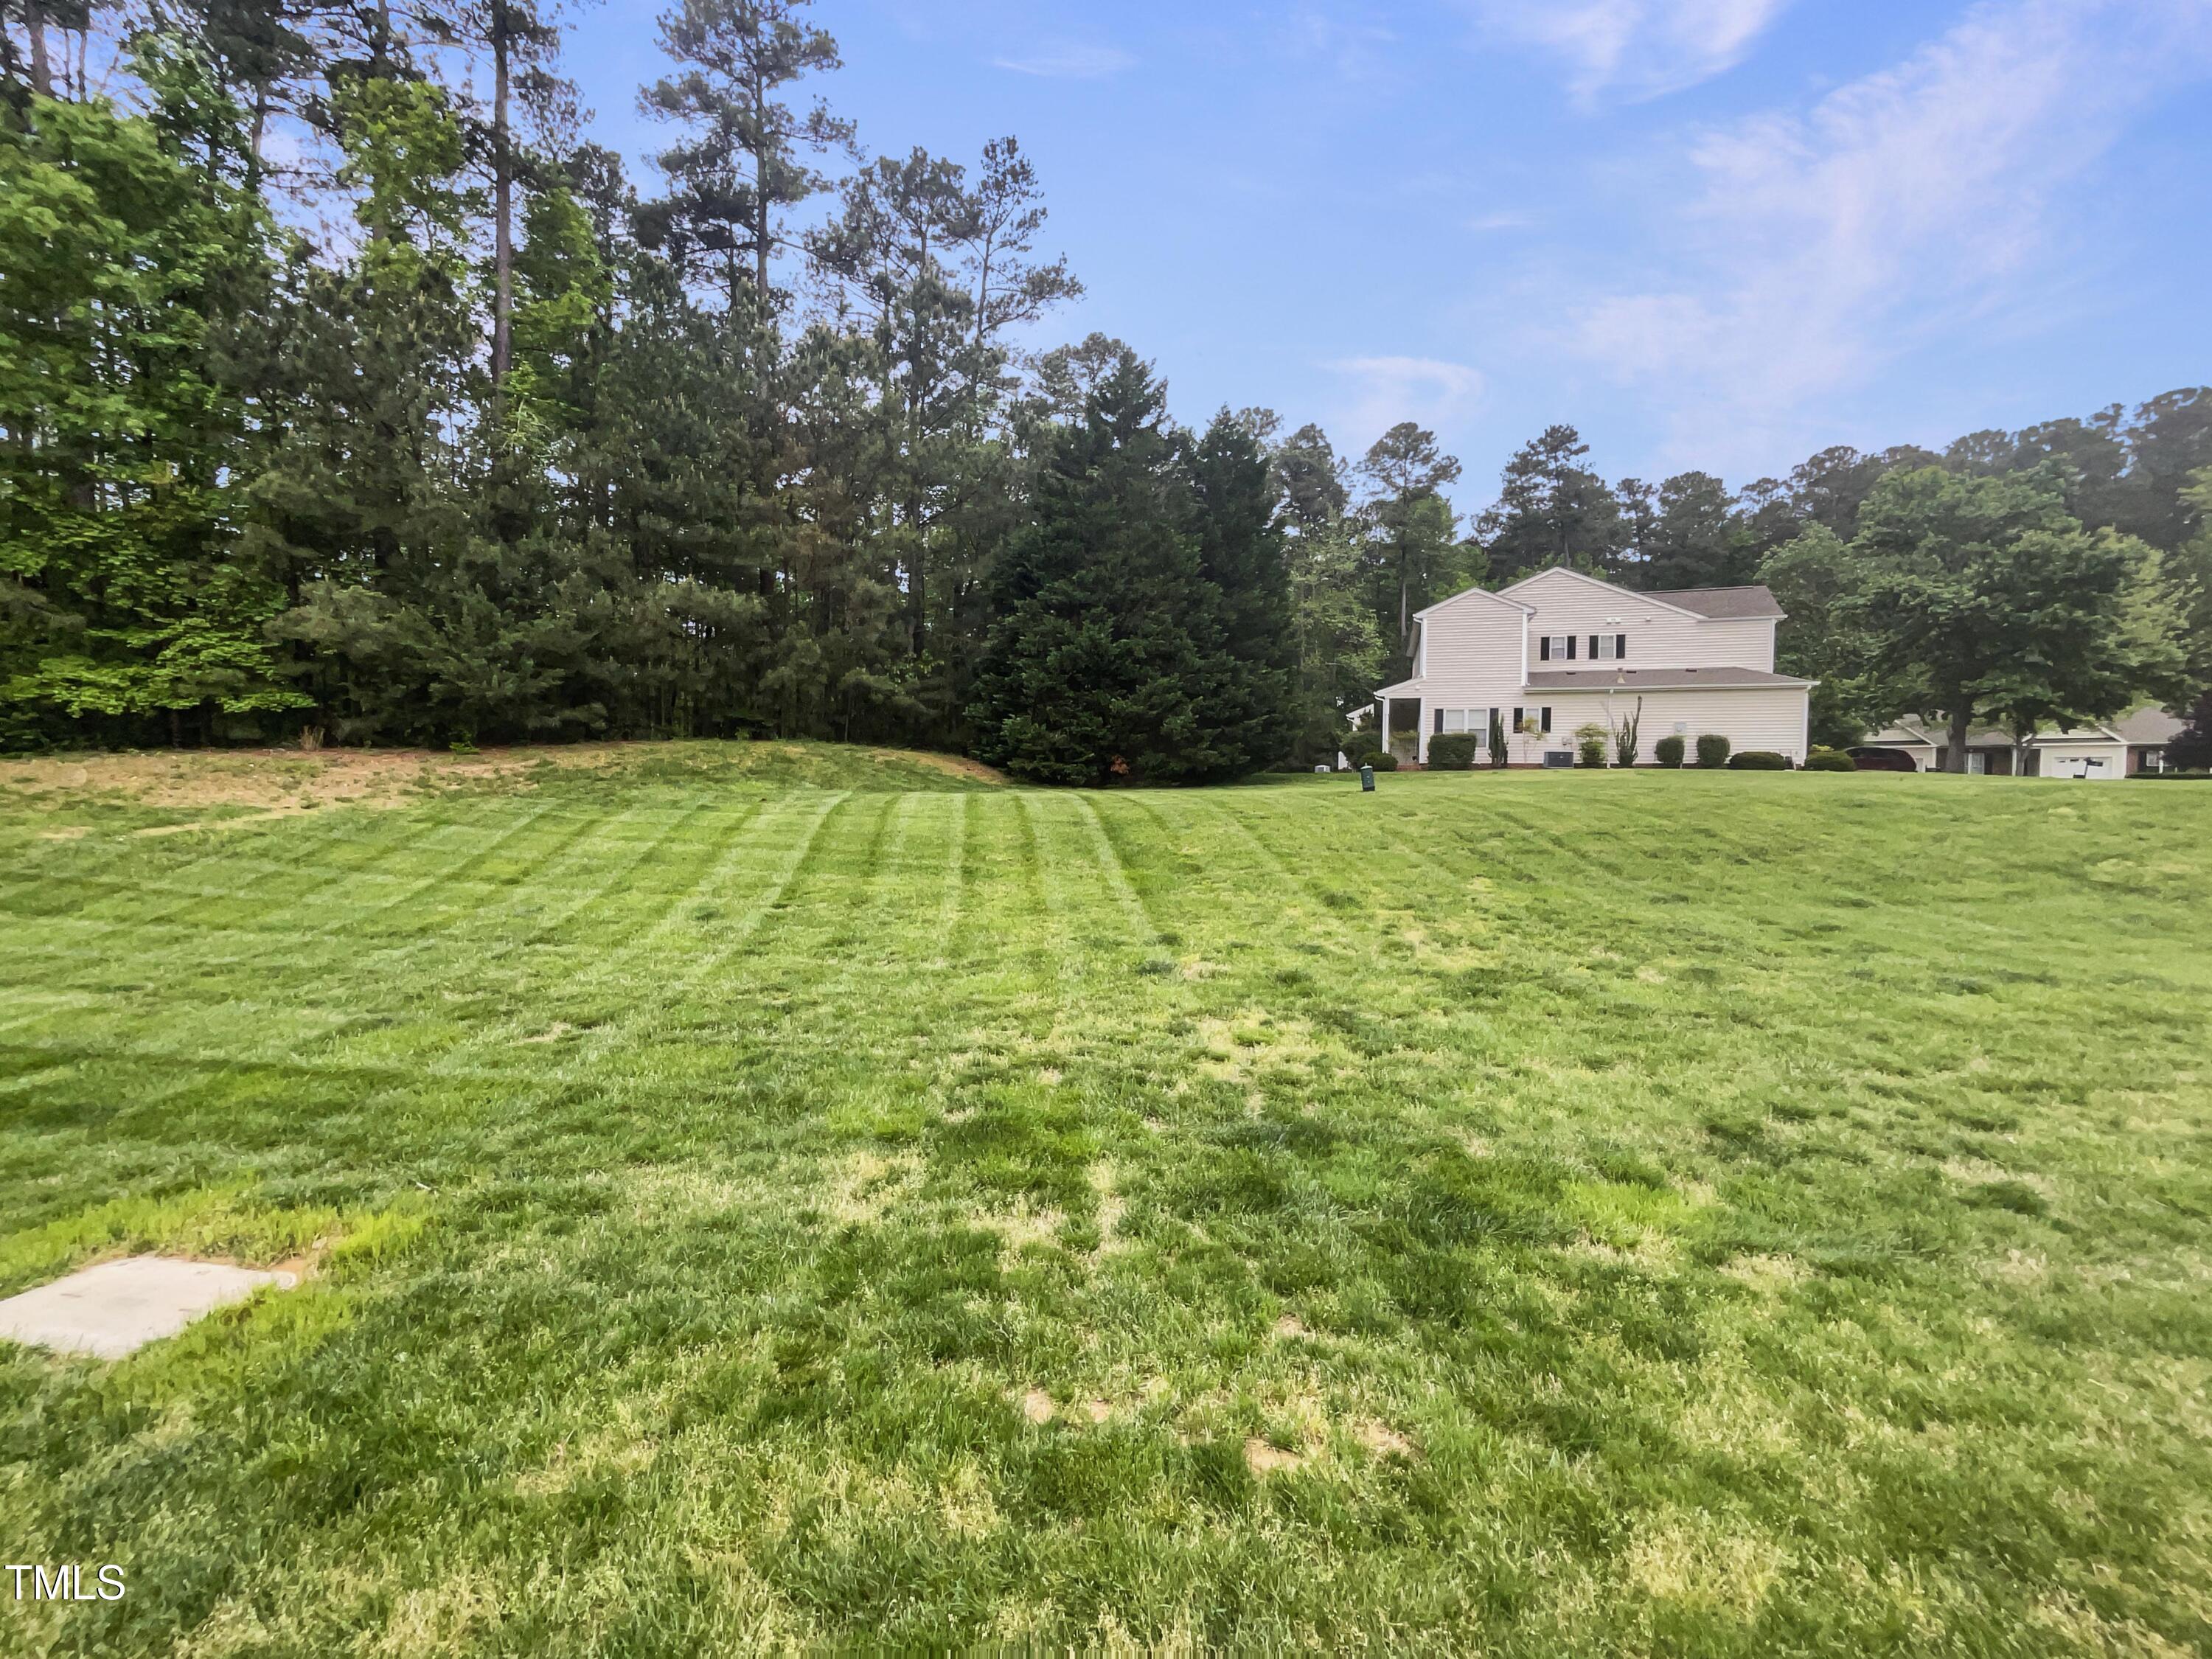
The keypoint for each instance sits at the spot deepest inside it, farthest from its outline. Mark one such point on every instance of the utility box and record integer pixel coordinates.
(1556, 758)
(1367, 779)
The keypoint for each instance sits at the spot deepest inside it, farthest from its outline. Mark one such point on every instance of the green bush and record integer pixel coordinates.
(1361, 745)
(1454, 752)
(1830, 760)
(1757, 760)
(1713, 749)
(1669, 751)
(1379, 762)
(1590, 743)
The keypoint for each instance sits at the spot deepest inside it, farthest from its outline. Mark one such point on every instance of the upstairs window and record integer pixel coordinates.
(1557, 647)
(1608, 647)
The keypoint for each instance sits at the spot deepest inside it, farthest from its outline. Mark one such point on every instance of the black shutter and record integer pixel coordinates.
(1439, 731)
(1621, 646)
(1544, 649)
(1570, 648)
(1593, 647)
(1519, 714)
(1548, 722)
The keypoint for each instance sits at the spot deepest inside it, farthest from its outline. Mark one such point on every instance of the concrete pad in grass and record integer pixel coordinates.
(118, 1306)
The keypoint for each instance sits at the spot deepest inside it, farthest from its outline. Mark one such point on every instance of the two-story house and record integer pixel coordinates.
(1561, 650)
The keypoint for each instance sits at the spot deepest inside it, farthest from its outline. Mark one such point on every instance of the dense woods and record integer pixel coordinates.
(347, 389)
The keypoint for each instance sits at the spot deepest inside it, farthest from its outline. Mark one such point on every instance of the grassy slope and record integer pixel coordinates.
(1552, 1213)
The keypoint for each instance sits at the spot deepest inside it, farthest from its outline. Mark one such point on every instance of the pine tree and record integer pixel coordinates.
(1110, 659)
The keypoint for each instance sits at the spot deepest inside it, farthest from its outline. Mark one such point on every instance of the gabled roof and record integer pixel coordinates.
(2147, 727)
(1481, 593)
(1665, 603)
(1912, 733)
(1705, 603)
(1656, 679)
(1730, 604)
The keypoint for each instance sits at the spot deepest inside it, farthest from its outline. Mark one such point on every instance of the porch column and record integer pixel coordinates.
(1383, 703)
(1420, 731)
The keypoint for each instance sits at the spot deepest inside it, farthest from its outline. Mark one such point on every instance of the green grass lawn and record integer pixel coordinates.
(842, 1202)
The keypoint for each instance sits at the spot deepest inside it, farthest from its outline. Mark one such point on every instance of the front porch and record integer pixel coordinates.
(1410, 716)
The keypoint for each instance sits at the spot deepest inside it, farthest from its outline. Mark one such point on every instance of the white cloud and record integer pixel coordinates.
(1638, 48)
(1910, 202)
(1069, 61)
(1388, 390)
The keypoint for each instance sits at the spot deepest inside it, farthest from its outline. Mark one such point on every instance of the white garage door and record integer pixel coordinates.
(2077, 766)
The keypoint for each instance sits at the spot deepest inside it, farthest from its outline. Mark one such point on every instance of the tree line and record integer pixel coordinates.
(348, 391)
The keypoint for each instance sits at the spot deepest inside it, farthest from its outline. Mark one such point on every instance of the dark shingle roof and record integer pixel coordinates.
(1653, 679)
(2148, 726)
(1725, 603)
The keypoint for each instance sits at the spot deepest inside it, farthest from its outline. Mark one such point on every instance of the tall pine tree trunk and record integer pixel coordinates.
(763, 211)
(503, 301)
(42, 74)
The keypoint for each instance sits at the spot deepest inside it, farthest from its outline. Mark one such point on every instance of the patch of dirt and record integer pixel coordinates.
(956, 766)
(1264, 1460)
(1037, 1407)
(1381, 1439)
(283, 781)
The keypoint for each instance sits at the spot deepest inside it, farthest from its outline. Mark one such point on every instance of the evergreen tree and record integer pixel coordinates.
(1552, 510)
(1410, 527)
(1110, 659)
(1242, 553)
(1696, 538)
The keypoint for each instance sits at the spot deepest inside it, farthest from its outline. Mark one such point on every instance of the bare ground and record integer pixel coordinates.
(282, 781)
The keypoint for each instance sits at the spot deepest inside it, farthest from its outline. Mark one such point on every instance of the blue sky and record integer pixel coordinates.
(1718, 233)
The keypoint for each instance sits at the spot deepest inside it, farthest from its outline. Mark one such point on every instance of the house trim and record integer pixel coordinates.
(1610, 588)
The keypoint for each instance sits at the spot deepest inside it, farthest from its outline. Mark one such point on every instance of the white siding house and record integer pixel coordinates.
(1563, 649)
(2096, 753)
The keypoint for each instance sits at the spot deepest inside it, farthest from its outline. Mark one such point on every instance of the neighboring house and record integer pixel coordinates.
(2147, 732)
(1562, 650)
(2107, 751)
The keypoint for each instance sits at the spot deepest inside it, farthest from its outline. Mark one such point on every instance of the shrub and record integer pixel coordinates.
(1454, 752)
(1590, 743)
(1669, 751)
(1756, 760)
(1499, 754)
(1713, 749)
(2191, 750)
(1379, 762)
(1830, 760)
(1361, 745)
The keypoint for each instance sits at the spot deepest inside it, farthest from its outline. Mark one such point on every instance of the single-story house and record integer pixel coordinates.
(2107, 750)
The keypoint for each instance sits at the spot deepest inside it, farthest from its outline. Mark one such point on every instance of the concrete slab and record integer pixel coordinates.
(111, 1310)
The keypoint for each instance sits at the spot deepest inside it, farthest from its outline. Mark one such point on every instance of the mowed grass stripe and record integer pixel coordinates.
(1675, 1249)
(790, 830)
(134, 870)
